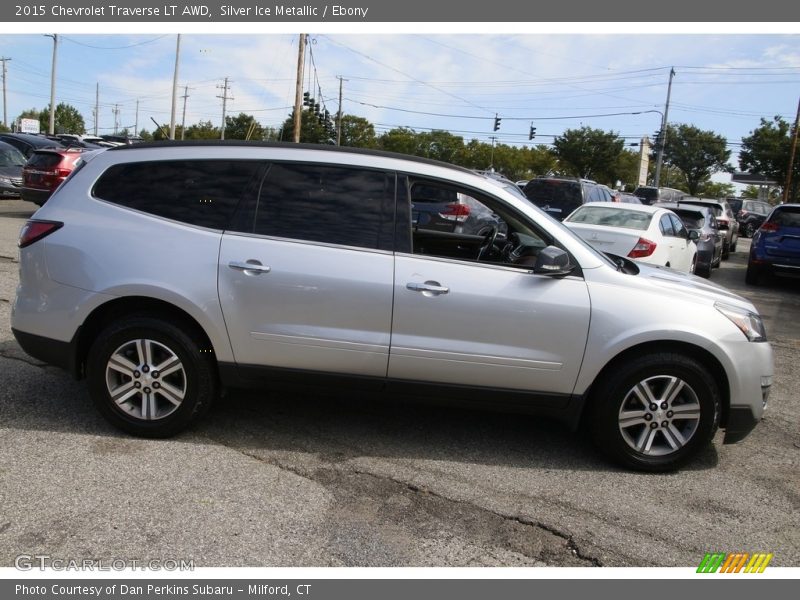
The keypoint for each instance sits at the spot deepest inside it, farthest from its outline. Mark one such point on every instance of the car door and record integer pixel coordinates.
(487, 323)
(685, 249)
(306, 276)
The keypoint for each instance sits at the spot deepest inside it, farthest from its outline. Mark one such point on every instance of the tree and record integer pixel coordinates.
(67, 119)
(357, 132)
(312, 131)
(202, 130)
(146, 135)
(766, 151)
(399, 139)
(243, 127)
(714, 189)
(590, 153)
(698, 154)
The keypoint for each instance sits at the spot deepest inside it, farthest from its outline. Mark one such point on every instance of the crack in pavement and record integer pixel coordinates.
(569, 539)
(24, 360)
(10, 259)
(318, 476)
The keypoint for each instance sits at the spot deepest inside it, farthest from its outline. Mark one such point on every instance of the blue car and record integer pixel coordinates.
(776, 245)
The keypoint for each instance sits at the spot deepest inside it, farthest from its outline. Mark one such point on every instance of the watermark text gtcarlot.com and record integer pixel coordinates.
(43, 562)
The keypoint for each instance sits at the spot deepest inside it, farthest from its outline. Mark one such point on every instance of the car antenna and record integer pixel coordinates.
(163, 131)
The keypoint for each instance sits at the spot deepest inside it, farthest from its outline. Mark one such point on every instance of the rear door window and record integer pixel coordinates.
(665, 224)
(198, 192)
(557, 197)
(325, 203)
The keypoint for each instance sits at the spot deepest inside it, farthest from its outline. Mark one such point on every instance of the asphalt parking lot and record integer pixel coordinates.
(276, 480)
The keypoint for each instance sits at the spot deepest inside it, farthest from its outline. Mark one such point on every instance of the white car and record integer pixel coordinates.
(640, 232)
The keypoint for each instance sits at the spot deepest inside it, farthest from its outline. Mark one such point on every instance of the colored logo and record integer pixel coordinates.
(739, 562)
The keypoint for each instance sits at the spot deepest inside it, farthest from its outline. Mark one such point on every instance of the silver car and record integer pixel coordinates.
(162, 273)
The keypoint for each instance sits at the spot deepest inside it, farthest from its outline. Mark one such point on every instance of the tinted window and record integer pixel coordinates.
(690, 218)
(787, 217)
(557, 197)
(321, 203)
(10, 156)
(44, 160)
(666, 226)
(678, 227)
(198, 192)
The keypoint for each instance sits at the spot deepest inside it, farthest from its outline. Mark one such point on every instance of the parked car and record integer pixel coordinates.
(650, 195)
(750, 215)
(701, 220)
(775, 249)
(28, 143)
(644, 233)
(439, 209)
(163, 272)
(47, 169)
(627, 198)
(11, 161)
(726, 221)
(559, 196)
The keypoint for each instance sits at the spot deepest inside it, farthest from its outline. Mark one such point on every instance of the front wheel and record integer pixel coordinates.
(150, 378)
(655, 412)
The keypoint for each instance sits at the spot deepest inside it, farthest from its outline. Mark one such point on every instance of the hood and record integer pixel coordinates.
(676, 282)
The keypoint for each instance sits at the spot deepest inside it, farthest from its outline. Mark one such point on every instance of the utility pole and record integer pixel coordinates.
(183, 116)
(115, 110)
(5, 72)
(224, 87)
(96, 106)
(660, 152)
(136, 122)
(791, 157)
(175, 88)
(298, 94)
(51, 129)
(339, 114)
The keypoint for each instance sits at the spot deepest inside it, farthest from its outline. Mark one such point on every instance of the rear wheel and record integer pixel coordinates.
(655, 412)
(749, 230)
(725, 250)
(753, 275)
(149, 377)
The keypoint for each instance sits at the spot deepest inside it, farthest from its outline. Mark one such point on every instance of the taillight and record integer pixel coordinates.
(455, 212)
(769, 226)
(33, 231)
(642, 248)
(722, 223)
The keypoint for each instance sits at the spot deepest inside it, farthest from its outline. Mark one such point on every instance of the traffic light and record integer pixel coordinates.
(496, 123)
(657, 138)
(532, 133)
(306, 99)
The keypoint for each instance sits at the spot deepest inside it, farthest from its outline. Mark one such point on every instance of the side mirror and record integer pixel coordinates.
(552, 261)
(694, 235)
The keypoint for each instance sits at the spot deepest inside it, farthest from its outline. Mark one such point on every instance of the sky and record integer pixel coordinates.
(455, 81)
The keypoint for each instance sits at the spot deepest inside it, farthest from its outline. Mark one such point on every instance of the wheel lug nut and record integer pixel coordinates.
(663, 406)
(670, 414)
(137, 374)
(648, 417)
(653, 407)
(653, 425)
(156, 385)
(665, 424)
(137, 385)
(154, 374)
(145, 369)
(147, 390)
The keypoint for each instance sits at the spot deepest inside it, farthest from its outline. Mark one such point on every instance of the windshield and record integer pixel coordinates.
(649, 193)
(11, 157)
(611, 217)
(690, 219)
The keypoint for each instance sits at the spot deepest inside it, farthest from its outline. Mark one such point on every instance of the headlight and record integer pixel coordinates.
(748, 322)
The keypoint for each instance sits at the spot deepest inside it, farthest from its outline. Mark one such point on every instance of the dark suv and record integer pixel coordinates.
(559, 196)
(750, 214)
(28, 143)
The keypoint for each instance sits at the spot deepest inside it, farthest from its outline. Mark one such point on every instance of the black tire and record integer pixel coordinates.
(726, 252)
(189, 369)
(749, 230)
(656, 370)
(733, 246)
(753, 275)
(703, 271)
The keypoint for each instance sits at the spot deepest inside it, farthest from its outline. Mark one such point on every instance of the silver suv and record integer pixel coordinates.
(162, 273)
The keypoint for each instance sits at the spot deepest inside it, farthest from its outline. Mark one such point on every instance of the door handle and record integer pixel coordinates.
(250, 267)
(429, 288)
